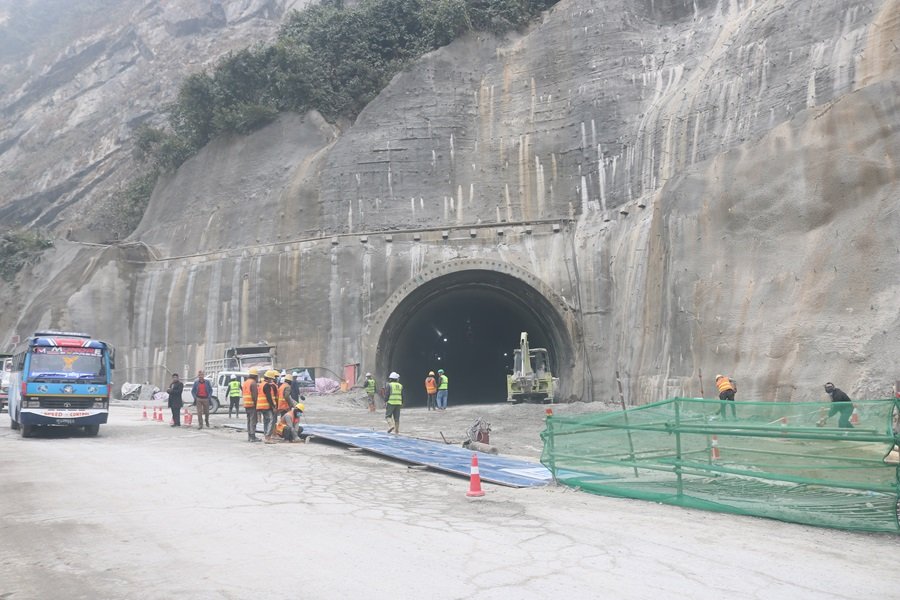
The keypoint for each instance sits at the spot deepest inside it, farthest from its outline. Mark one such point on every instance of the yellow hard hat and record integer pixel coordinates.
(288, 377)
(254, 371)
(300, 407)
(271, 374)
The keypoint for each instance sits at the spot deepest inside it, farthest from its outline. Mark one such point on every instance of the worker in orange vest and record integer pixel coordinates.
(431, 390)
(249, 393)
(266, 403)
(727, 390)
(284, 395)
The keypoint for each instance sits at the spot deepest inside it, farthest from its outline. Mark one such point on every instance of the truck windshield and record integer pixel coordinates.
(70, 364)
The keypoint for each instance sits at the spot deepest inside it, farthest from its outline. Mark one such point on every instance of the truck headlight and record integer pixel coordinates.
(32, 404)
(99, 404)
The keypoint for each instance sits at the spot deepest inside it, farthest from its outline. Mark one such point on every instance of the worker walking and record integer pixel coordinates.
(431, 390)
(266, 403)
(202, 392)
(727, 389)
(370, 391)
(443, 390)
(840, 404)
(249, 392)
(234, 395)
(394, 395)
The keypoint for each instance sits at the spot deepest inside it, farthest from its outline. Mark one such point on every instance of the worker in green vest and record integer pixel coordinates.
(394, 394)
(234, 395)
(443, 387)
(370, 391)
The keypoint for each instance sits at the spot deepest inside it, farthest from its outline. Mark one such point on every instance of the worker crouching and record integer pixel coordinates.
(288, 427)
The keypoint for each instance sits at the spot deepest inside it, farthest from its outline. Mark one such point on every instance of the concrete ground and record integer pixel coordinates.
(149, 511)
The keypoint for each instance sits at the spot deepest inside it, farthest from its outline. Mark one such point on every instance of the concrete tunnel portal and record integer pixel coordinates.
(468, 323)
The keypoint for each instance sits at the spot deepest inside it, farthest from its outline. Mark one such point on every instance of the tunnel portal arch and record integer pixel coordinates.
(466, 316)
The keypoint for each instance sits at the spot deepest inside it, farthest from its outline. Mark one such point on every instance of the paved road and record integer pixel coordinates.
(148, 511)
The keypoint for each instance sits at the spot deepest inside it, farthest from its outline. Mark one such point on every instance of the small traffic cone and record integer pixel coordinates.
(714, 448)
(153, 418)
(854, 418)
(189, 417)
(474, 479)
(144, 416)
(548, 412)
(159, 415)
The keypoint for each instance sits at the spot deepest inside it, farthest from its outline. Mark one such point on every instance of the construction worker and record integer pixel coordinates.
(370, 391)
(394, 394)
(284, 396)
(289, 425)
(442, 391)
(266, 404)
(840, 404)
(727, 390)
(295, 387)
(234, 395)
(250, 392)
(431, 391)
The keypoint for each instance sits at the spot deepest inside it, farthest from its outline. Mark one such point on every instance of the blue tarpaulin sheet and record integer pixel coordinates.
(435, 455)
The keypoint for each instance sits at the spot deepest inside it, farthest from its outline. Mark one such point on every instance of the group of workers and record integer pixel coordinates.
(840, 402)
(437, 389)
(276, 401)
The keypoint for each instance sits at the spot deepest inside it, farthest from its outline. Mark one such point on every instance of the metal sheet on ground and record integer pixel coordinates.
(443, 457)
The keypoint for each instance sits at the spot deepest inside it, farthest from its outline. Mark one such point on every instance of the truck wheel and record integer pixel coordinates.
(213, 405)
(26, 430)
(92, 430)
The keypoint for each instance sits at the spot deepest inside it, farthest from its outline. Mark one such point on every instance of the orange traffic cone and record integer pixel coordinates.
(549, 412)
(144, 416)
(474, 479)
(714, 448)
(159, 416)
(189, 417)
(153, 418)
(854, 418)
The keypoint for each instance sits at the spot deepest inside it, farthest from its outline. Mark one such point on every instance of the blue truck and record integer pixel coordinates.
(60, 378)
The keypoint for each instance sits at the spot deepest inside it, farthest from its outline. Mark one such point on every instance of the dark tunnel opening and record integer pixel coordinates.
(468, 323)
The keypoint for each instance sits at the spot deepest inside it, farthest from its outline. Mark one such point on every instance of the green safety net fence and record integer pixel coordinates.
(766, 459)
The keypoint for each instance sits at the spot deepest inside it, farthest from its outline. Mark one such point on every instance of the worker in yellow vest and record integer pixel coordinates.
(249, 392)
(234, 395)
(394, 395)
(370, 391)
(443, 390)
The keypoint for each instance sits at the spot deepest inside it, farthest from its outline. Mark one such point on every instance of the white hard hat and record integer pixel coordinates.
(368, 374)
(393, 375)
(283, 372)
(234, 377)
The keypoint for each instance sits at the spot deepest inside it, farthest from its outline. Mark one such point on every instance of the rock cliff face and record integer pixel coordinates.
(655, 187)
(79, 77)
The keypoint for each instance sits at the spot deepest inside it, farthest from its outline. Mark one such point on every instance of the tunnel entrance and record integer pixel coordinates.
(468, 323)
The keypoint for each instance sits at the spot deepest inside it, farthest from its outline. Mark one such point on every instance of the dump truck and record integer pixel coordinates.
(531, 379)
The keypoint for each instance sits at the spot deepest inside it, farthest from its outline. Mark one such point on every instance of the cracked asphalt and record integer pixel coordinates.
(149, 511)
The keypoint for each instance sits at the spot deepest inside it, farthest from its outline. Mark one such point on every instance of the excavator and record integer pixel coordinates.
(531, 379)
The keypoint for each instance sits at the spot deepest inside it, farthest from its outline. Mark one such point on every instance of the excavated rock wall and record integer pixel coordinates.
(724, 172)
